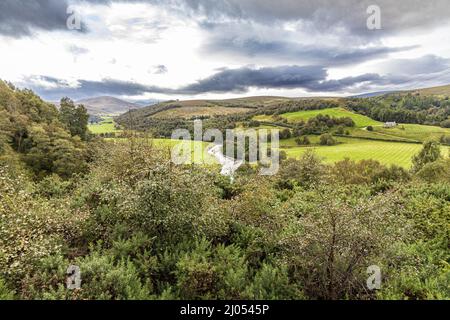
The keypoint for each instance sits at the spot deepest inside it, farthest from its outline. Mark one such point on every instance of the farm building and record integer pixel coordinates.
(390, 124)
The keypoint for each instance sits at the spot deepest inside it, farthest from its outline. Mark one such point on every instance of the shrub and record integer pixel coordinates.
(302, 141)
(327, 139)
(430, 152)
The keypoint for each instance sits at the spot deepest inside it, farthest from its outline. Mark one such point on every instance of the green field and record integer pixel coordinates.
(358, 149)
(360, 120)
(107, 125)
(413, 131)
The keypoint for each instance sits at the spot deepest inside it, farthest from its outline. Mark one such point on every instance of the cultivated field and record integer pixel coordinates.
(397, 153)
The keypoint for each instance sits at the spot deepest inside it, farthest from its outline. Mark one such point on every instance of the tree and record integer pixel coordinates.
(369, 128)
(75, 118)
(430, 152)
(285, 134)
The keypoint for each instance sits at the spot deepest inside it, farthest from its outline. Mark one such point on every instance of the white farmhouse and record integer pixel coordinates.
(390, 124)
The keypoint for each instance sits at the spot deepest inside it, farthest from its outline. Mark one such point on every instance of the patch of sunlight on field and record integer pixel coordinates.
(385, 152)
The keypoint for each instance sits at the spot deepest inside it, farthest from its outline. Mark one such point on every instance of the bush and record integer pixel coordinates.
(430, 152)
(302, 141)
(338, 233)
(445, 124)
(327, 139)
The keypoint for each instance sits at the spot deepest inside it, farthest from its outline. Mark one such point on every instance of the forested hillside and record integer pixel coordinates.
(36, 134)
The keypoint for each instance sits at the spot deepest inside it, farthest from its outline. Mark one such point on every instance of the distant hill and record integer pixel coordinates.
(107, 105)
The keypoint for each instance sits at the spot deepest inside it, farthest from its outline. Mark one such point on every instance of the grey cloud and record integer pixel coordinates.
(311, 78)
(428, 64)
(240, 80)
(297, 52)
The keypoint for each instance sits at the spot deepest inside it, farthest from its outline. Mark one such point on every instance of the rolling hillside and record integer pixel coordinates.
(360, 120)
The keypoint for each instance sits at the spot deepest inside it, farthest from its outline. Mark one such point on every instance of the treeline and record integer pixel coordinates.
(409, 108)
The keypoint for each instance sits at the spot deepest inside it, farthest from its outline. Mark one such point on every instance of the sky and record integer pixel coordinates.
(142, 50)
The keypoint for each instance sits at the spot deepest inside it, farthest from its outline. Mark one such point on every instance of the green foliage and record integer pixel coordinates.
(430, 152)
(272, 283)
(5, 293)
(30, 227)
(339, 234)
(307, 171)
(75, 118)
(438, 171)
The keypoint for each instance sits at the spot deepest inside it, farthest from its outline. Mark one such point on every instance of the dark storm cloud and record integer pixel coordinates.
(292, 51)
(24, 17)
